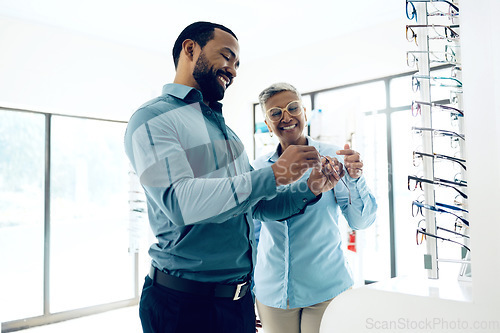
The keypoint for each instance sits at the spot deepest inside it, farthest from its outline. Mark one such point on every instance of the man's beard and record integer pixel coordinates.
(206, 77)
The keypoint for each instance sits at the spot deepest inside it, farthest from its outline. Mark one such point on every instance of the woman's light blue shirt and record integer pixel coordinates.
(300, 260)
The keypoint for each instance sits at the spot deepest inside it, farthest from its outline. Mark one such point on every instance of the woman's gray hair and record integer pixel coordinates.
(275, 89)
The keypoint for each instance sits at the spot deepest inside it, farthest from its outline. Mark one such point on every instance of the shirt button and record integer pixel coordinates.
(209, 113)
(304, 200)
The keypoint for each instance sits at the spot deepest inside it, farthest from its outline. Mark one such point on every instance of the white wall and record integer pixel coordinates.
(481, 75)
(50, 69)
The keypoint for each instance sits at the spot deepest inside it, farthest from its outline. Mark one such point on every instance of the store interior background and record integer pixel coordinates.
(103, 59)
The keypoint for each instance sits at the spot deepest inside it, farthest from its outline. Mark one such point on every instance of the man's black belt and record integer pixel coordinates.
(199, 288)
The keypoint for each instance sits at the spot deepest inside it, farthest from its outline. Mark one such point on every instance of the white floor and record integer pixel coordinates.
(125, 320)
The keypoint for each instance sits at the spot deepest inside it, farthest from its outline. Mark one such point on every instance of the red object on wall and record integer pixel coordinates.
(351, 243)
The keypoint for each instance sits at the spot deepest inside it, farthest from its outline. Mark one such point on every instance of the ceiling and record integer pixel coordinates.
(263, 26)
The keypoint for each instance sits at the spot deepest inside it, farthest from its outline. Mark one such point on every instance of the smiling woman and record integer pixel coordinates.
(286, 118)
(306, 248)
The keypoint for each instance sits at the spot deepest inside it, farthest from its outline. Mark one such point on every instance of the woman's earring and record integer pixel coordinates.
(271, 134)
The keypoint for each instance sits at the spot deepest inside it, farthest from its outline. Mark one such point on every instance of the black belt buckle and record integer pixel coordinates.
(237, 293)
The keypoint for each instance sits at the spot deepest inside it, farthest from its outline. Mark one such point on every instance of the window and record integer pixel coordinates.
(65, 229)
(89, 214)
(350, 114)
(22, 137)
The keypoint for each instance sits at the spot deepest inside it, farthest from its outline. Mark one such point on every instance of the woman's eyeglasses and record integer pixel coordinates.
(418, 156)
(294, 108)
(414, 182)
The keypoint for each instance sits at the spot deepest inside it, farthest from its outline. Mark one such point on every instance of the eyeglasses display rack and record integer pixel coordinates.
(435, 35)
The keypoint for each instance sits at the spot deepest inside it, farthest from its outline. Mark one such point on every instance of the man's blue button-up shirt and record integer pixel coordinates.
(201, 190)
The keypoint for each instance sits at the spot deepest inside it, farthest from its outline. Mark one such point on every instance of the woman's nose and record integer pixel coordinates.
(286, 117)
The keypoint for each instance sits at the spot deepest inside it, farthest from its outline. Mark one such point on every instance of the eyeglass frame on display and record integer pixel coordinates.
(442, 132)
(454, 99)
(436, 60)
(452, 207)
(452, 110)
(440, 156)
(420, 205)
(458, 179)
(453, 12)
(453, 34)
(436, 181)
(415, 83)
(414, 11)
(424, 233)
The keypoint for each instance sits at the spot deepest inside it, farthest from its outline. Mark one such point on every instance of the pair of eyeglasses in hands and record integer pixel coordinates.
(328, 162)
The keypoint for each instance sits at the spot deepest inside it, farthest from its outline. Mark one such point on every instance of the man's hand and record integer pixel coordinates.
(294, 162)
(325, 177)
(352, 161)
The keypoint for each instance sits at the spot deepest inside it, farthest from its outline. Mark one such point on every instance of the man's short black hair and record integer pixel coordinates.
(201, 32)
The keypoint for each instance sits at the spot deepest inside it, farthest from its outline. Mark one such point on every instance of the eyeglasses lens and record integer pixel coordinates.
(415, 84)
(414, 210)
(293, 108)
(411, 35)
(415, 109)
(411, 12)
(417, 160)
(420, 237)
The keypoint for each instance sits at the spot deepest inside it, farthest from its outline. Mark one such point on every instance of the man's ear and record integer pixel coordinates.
(188, 47)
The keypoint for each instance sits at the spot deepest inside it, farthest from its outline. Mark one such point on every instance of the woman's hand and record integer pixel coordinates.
(324, 178)
(352, 160)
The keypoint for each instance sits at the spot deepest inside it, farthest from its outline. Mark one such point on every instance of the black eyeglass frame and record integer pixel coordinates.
(440, 156)
(424, 232)
(437, 181)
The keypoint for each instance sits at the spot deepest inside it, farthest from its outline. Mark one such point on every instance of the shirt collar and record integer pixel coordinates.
(188, 94)
(310, 142)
